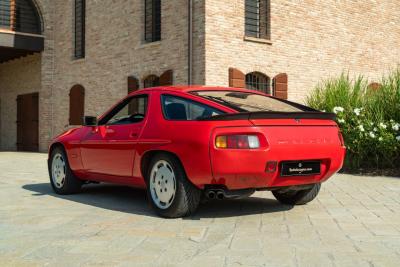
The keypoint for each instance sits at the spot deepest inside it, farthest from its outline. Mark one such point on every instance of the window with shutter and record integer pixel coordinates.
(80, 17)
(236, 78)
(76, 105)
(151, 81)
(374, 86)
(257, 18)
(280, 85)
(167, 78)
(258, 81)
(152, 21)
(133, 84)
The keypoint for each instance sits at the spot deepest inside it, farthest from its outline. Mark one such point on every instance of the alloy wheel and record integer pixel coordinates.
(162, 184)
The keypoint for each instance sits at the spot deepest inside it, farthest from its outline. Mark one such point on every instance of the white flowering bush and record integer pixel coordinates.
(369, 120)
(369, 143)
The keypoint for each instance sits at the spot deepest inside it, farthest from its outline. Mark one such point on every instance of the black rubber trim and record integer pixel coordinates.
(272, 115)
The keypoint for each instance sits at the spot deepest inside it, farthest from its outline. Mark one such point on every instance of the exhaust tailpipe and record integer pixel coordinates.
(220, 195)
(211, 194)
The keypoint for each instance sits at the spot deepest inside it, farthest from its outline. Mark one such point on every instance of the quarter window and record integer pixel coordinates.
(152, 21)
(182, 109)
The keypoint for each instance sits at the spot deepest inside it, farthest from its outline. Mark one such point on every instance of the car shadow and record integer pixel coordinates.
(132, 200)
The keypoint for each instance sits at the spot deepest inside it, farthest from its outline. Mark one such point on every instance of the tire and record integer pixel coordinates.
(62, 180)
(298, 197)
(169, 191)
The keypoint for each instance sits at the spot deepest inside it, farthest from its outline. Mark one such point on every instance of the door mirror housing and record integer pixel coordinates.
(89, 121)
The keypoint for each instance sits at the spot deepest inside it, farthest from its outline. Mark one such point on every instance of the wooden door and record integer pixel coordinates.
(28, 122)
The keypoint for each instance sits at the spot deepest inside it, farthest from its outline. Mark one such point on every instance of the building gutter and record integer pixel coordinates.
(190, 41)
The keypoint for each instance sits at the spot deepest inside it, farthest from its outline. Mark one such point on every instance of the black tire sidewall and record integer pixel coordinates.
(300, 197)
(71, 184)
(177, 208)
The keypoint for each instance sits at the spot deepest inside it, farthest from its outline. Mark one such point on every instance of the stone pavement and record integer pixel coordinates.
(355, 221)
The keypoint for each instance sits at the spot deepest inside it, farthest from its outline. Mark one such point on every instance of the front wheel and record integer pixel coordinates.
(169, 191)
(297, 197)
(62, 179)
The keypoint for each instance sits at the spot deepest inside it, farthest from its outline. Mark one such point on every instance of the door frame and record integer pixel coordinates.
(28, 129)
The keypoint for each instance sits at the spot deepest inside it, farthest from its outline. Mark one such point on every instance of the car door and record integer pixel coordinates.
(109, 148)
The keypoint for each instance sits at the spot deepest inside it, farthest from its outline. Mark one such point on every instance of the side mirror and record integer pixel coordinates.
(89, 121)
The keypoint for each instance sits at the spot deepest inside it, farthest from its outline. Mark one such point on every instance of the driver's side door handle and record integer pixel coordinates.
(109, 131)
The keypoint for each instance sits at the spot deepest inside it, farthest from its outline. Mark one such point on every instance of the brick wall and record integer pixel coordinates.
(310, 41)
(115, 49)
(26, 75)
(16, 77)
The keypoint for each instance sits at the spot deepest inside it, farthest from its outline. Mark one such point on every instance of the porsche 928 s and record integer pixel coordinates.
(185, 143)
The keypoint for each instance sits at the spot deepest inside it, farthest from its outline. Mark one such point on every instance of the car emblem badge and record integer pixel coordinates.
(300, 165)
(297, 120)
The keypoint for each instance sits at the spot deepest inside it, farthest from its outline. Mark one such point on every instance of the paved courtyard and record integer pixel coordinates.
(355, 221)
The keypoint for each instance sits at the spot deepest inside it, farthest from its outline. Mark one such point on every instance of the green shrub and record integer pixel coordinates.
(369, 119)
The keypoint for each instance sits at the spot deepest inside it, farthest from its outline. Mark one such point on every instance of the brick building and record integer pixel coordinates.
(62, 59)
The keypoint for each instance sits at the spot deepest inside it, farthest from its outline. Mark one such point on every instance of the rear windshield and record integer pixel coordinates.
(249, 102)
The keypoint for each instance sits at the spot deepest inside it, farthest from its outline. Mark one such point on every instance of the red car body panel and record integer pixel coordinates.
(114, 153)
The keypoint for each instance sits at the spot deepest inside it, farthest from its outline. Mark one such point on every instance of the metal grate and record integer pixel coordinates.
(20, 16)
(26, 17)
(258, 18)
(5, 14)
(259, 82)
(152, 23)
(80, 17)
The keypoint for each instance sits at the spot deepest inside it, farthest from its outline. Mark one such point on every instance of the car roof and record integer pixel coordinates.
(191, 88)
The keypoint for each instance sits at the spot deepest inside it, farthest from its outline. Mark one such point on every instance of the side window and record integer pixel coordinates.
(133, 110)
(182, 109)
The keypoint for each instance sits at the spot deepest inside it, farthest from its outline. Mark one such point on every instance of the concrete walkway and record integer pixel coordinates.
(355, 221)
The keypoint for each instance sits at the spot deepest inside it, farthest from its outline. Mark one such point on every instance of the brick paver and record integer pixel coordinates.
(355, 221)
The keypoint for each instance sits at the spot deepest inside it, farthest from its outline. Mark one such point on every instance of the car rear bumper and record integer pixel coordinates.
(248, 169)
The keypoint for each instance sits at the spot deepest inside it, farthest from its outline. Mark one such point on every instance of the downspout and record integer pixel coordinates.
(190, 41)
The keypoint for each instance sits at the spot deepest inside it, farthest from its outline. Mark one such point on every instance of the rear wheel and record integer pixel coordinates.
(169, 191)
(297, 197)
(62, 179)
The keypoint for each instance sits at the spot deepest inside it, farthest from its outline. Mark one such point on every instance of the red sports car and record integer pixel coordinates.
(186, 143)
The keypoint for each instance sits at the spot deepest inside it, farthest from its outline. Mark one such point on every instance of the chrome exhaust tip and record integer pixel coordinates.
(220, 195)
(211, 194)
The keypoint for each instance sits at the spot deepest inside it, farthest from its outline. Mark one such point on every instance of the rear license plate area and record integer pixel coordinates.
(300, 168)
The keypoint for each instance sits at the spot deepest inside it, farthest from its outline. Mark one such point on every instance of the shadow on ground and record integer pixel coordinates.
(131, 200)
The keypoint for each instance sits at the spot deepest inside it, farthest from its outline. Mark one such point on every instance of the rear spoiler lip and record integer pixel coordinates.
(317, 115)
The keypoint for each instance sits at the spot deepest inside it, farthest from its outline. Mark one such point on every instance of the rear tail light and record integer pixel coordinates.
(237, 141)
(341, 138)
